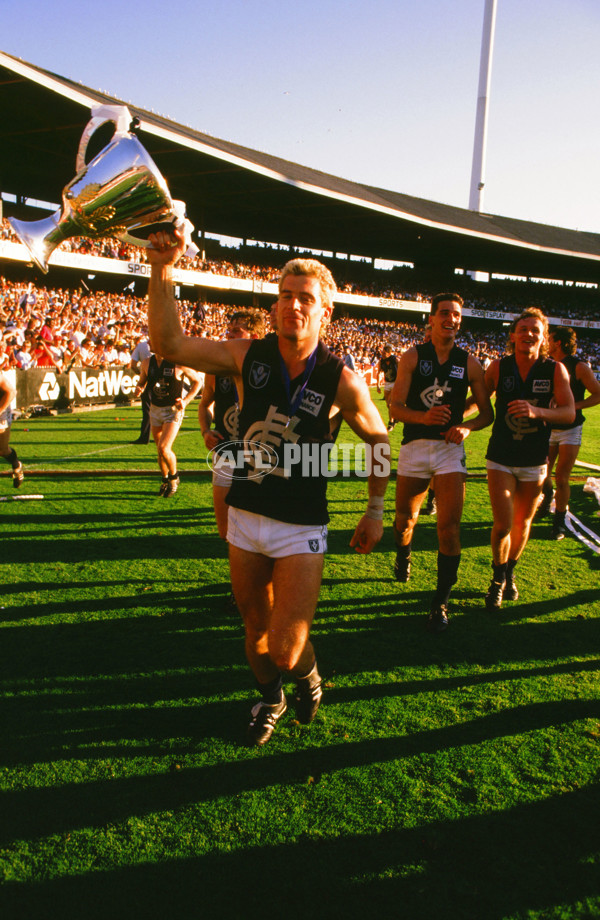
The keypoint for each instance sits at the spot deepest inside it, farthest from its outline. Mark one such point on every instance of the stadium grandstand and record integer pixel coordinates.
(252, 212)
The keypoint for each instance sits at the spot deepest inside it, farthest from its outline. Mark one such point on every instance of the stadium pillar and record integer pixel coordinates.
(480, 141)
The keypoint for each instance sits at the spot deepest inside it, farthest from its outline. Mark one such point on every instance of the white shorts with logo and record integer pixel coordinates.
(424, 458)
(522, 473)
(567, 435)
(160, 415)
(5, 419)
(388, 387)
(259, 534)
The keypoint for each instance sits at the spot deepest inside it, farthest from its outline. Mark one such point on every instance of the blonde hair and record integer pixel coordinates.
(529, 313)
(312, 269)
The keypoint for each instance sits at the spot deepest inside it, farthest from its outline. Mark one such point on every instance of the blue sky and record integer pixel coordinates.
(383, 93)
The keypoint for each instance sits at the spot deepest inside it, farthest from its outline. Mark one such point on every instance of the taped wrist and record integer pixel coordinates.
(375, 508)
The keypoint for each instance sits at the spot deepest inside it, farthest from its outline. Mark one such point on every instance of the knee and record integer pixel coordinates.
(404, 523)
(501, 529)
(448, 534)
(284, 659)
(163, 451)
(285, 650)
(256, 639)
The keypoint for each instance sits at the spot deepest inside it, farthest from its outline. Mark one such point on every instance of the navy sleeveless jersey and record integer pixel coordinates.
(165, 388)
(521, 441)
(435, 384)
(292, 492)
(389, 368)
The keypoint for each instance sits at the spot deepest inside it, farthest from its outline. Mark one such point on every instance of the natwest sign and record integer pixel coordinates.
(90, 384)
(80, 386)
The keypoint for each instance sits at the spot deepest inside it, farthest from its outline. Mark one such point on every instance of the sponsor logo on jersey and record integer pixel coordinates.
(168, 371)
(457, 372)
(425, 367)
(312, 402)
(259, 375)
(541, 386)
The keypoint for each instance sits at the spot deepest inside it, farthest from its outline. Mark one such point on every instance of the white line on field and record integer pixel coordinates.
(94, 453)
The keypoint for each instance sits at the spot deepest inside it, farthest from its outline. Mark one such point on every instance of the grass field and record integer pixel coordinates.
(452, 776)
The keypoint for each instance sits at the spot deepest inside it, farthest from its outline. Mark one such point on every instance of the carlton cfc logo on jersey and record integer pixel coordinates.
(259, 375)
(425, 368)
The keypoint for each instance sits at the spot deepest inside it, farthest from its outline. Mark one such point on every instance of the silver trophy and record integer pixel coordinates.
(118, 193)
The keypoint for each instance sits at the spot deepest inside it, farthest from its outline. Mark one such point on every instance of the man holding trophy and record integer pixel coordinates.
(289, 386)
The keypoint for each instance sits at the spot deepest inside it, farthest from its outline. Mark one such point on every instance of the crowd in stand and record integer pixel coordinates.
(360, 277)
(62, 328)
(55, 327)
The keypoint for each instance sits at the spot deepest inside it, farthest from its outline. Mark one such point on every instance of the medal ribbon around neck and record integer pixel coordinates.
(310, 366)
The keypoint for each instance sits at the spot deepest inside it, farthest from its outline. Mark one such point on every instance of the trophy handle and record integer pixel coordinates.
(180, 221)
(118, 114)
(134, 240)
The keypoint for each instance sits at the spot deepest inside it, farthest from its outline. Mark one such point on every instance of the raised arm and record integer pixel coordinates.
(166, 332)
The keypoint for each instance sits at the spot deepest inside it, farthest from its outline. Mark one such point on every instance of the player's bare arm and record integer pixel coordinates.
(491, 377)
(7, 392)
(563, 410)
(205, 413)
(587, 377)
(436, 415)
(167, 336)
(360, 413)
(142, 379)
(195, 380)
(481, 398)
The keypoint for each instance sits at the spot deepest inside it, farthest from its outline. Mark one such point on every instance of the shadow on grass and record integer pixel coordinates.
(447, 684)
(71, 686)
(388, 631)
(32, 813)
(190, 599)
(74, 585)
(530, 858)
(135, 545)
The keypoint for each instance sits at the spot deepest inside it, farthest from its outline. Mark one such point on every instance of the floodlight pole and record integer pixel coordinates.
(485, 72)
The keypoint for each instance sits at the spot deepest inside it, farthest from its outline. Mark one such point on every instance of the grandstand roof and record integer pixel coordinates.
(236, 191)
